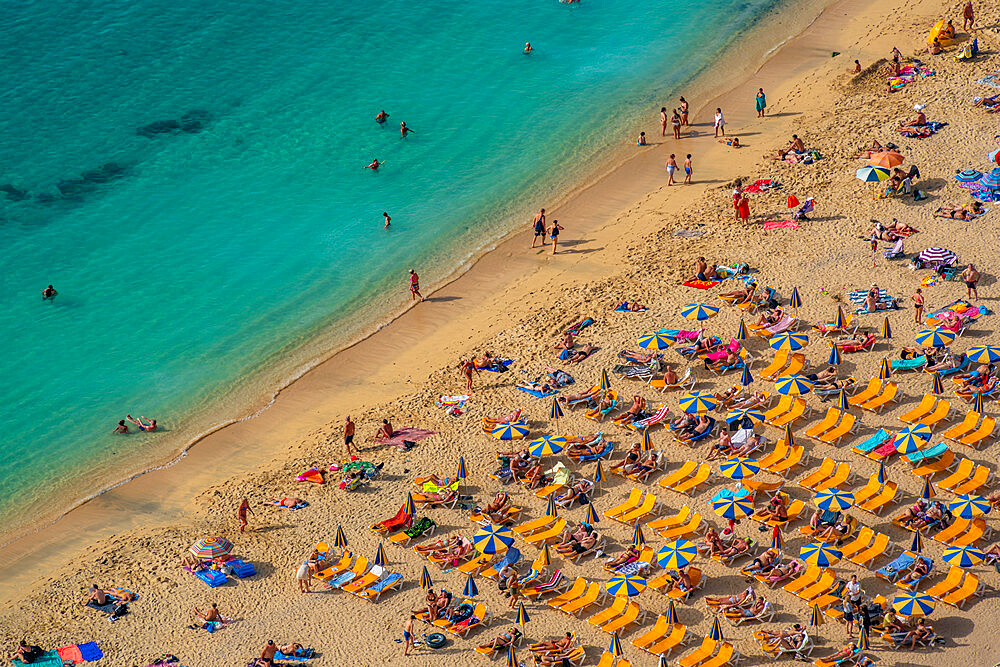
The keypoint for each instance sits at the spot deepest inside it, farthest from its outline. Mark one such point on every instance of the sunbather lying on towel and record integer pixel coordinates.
(27, 653)
(866, 153)
(967, 212)
(577, 356)
(631, 306)
(288, 502)
(782, 572)
(294, 649)
(762, 563)
(830, 385)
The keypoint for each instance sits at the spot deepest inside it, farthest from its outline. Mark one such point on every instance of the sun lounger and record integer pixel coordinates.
(781, 359)
(924, 408)
(804, 580)
(533, 526)
(755, 486)
(848, 423)
(774, 652)
(786, 323)
(605, 615)
(912, 586)
(337, 568)
(662, 413)
(891, 571)
(967, 426)
(795, 508)
(592, 595)
(374, 575)
(825, 471)
(548, 535)
(789, 458)
(941, 459)
(701, 475)
(686, 381)
(392, 524)
(971, 587)
(870, 392)
(686, 470)
(798, 410)
(633, 614)
(824, 583)
(646, 507)
(985, 431)
(654, 634)
(700, 654)
(890, 394)
(671, 521)
(824, 425)
(373, 592)
(765, 615)
(850, 327)
(692, 527)
(963, 533)
(578, 588)
(359, 569)
(914, 364)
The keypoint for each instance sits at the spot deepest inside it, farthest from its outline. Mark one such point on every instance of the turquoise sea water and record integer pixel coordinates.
(211, 256)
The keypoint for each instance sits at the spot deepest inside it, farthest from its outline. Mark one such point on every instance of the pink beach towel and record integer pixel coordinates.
(785, 224)
(406, 433)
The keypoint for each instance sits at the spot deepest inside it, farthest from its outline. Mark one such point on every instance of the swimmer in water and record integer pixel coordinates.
(144, 423)
(382, 115)
(527, 47)
(387, 219)
(49, 293)
(375, 164)
(403, 130)
(121, 428)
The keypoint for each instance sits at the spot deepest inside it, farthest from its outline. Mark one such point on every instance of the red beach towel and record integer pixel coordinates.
(406, 433)
(789, 224)
(701, 284)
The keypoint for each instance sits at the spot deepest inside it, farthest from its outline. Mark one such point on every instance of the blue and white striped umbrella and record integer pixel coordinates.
(512, 431)
(991, 181)
(739, 468)
(833, 500)
(733, 507)
(788, 340)
(820, 555)
(984, 354)
(963, 556)
(492, 539)
(626, 585)
(547, 446)
(657, 340)
(913, 603)
(676, 555)
(736, 416)
(699, 311)
(698, 401)
(793, 385)
(935, 337)
(969, 507)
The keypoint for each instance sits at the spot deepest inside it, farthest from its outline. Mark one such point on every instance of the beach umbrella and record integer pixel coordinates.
(409, 507)
(912, 438)
(777, 540)
(872, 174)
(733, 507)
(470, 590)
(886, 329)
(739, 468)
(913, 603)
(969, 507)
(544, 558)
(522, 615)
(715, 633)
(555, 411)
(550, 509)
(512, 431)
(936, 255)
(672, 613)
(963, 556)
(816, 618)
(842, 403)
(625, 585)
(882, 476)
(737, 416)
(984, 354)
(379, 556)
(917, 544)
(935, 337)
(864, 642)
(833, 500)
(699, 311)
(698, 401)
(676, 555)
(511, 658)
(547, 446)
(647, 441)
(616, 645)
(340, 540)
(839, 321)
(968, 176)
(591, 515)
(991, 181)
(598, 474)
(820, 555)
(492, 539)
(655, 341)
(978, 403)
(937, 386)
(638, 540)
(788, 340)
(605, 380)
(425, 579)
(742, 333)
(928, 491)
(789, 436)
(884, 369)
(795, 301)
(834, 359)
(211, 547)
(793, 385)
(887, 159)
(745, 377)
(461, 473)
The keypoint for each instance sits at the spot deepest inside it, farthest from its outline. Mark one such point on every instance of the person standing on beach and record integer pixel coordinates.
(241, 514)
(675, 121)
(302, 576)
(671, 168)
(468, 367)
(761, 103)
(720, 123)
(663, 121)
(971, 278)
(415, 286)
(684, 112)
(385, 215)
(688, 170)
(968, 16)
(742, 207)
(403, 130)
(348, 434)
(538, 224)
(554, 233)
(918, 300)
(408, 635)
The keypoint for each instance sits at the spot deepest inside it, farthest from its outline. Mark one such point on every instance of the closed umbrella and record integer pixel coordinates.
(928, 491)
(698, 401)
(598, 474)
(820, 555)
(745, 377)
(864, 641)
(340, 540)
(461, 474)
(978, 403)
(425, 579)
(550, 509)
(795, 301)
(913, 603)
(884, 370)
(647, 441)
(470, 590)
(672, 613)
(522, 616)
(699, 311)
(655, 341)
(592, 517)
(833, 500)
(512, 431)
(969, 507)
(544, 558)
(793, 385)
(742, 333)
(883, 477)
(379, 556)
(625, 585)
(676, 555)
(211, 547)
(615, 648)
(638, 540)
(834, 359)
(547, 446)
(963, 556)
(511, 657)
(715, 633)
(937, 385)
(555, 411)
(788, 340)
(816, 618)
(935, 337)
(605, 380)
(886, 329)
(492, 539)
(409, 507)
(777, 540)
(842, 404)
(839, 321)
(739, 468)
(917, 544)
(789, 436)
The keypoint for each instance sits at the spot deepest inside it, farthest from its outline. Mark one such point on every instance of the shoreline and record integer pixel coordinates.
(629, 173)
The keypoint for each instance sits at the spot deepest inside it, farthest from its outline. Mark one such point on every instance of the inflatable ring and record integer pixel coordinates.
(435, 640)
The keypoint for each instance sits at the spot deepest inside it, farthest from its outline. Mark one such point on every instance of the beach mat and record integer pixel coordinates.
(47, 659)
(784, 224)
(294, 658)
(623, 308)
(75, 653)
(536, 393)
(689, 233)
(701, 284)
(400, 435)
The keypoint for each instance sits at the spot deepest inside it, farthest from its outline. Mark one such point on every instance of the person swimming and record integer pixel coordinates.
(121, 428)
(375, 164)
(527, 47)
(385, 214)
(403, 130)
(382, 115)
(147, 425)
(49, 293)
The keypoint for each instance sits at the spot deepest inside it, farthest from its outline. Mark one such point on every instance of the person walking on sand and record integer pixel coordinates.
(554, 233)
(720, 123)
(671, 168)
(241, 514)
(403, 130)
(538, 224)
(968, 16)
(468, 368)
(415, 286)
(971, 278)
(663, 121)
(675, 122)
(761, 103)
(918, 300)
(408, 635)
(688, 170)
(385, 215)
(302, 576)
(684, 112)
(348, 434)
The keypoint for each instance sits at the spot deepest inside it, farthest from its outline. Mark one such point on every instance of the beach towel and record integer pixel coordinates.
(923, 131)
(452, 401)
(560, 378)
(623, 307)
(299, 505)
(701, 284)
(213, 578)
(75, 653)
(565, 354)
(306, 654)
(632, 568)
(761, 185)
(497, 365)
(580, 326)
(47, 659)
(689, 233)
(784, 224)
(538, 393)
(312, 475)
(407, 433)
(992, 79)
(985, 196)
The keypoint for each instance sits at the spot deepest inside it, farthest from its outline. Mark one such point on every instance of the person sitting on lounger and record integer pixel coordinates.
(770, 318)
(575, 535)
(748, 596)
(722, 448)
(729, 360)
(557, 657)
(696, 428)
(503, 640)
(834, 532)
(497, 509)
(739, 546)
(714, 542)
(759, 606)
(629, 556)
(441, 496)
(947, 362)
(631, 458)
(922, 632)
(580, 546)
(638, 405)
(684, 421)
(646, 465)
(669, 376)
(892, 623)
(762, 563)
(822, 519)
(535, 477)
(576, 493)
(775, 510)
(916, 573)
(581, 354)
(682, 583)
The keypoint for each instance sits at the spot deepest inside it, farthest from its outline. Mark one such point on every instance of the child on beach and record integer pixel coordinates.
(720, 123)
(408, 635)
(642, 139)
(415, 286)
(687, 170)
(241, 514)
(554, 233)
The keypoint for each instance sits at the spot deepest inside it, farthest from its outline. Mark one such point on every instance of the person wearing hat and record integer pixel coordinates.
(920, 119)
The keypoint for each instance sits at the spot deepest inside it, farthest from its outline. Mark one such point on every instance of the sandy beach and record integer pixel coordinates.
(621, 243)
